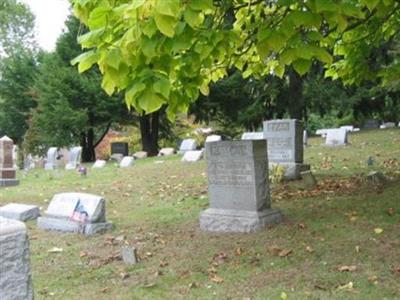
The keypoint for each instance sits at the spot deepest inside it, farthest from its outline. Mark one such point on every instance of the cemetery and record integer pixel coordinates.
(199, 149)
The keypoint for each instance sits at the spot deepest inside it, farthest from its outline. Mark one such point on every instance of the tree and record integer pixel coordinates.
(72, 107)
(167, 51)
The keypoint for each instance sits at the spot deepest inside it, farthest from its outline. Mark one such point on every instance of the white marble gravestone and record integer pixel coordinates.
(322, 132)
(305, 138)
(166, 152)
(140, 155)
(20, 212)
(126, 162)
(253, 136)
(7, 169)
(15, 273)
(75, 212)
(213, 138)
(285, 146)
(336, 137)
(349, 128)
(51, 160)
(192, 156)
(98, 164)
(187, 145)
(74, 158)
(238, 187)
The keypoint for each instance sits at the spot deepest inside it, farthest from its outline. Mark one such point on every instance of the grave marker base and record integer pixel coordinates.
(64, 225)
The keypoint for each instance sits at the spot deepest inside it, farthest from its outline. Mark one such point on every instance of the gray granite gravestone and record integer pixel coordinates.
(75, 212)
(253, 136)
(371, 124)
(20, 212)
(7, 170)
(187, 145)
(336, 137)
(120, 147)
(51, 160)
(15, 273)
(238, 187)
(74, 158)
(192, 156)
(285, 146)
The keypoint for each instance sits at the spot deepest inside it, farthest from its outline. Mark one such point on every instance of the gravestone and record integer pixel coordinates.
(15, 273)
(126, 162)
(336, 137)
(120, 147)
(140, 154)
(192, 156)
(117, 157)
(29, 163)
(7, 170)
(98, 164)
(322, 132)
(238, 187)
(74, 158)
(253, 136)
(349, 128)
(129, 255)
(387, 125)
(20, 212)
(187, 145)
(51, 161)
(371, 124)
(213, 138)
(166, 152)
(75, 212)
(285, 146)
(305, 138)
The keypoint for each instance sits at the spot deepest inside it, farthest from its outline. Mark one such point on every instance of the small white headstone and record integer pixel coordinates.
(253, 136)
(192, 156)
(166, 152)
(336, 137)
(349, 128)
(387, 125)
(140, 154)
(305, 138)
(20, 212)
(187, 145)
(322, 132)
(99, 164)
(74, 158)
(213, 138)
(51, 159)
(127, 161)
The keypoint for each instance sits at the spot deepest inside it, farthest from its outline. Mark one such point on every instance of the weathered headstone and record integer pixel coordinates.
(166, 152)
(349, 128)
(322, 132)
(29, 163)
(74, 158)
(387, 125)
(120, 147)
(20, 212)
(285, 146)
(371, 124)
(309, 179)
(305, 138)
(336, 137)
(75, 212)
(126, 162)
(7, 170)
(187, 145)
(140, 154)
(129, 255)
(117, 157)
(192, 156)
(51, 160)
(98, 164)
(213, 138)
(253, 136)
(15, 273)
(238, 187)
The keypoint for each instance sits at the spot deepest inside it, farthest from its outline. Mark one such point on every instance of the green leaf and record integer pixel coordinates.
(114, 58)
(193, 18)
(149, 28)
(315, 36)
(136, 3)
(89, 39)
(371, 4)
(85, 60)
(168, 7)
(132, 92)
(304, 18)
(279, 71)
(149, 47)
(150, 101)
(165, 24)
(98, 17)
(323, 55)
(205, 89)
(201, 4)
(326, 6)
(302, 66)
(162, 87)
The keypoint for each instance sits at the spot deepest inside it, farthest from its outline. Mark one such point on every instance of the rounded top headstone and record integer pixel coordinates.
(9, 226)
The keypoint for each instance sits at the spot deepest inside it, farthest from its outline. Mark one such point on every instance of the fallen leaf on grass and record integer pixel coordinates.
(302, 226)
(105, 290)
(346, 268)
(309, 249)
(238, 251)
(391, 211)
(373, 279)
(285, 252)
(378, 230)
(55, 250)
(123, 275)
(357, 249)
(215, 278)
(284, 296)
(348, 286)
(83, 254)
(396, 270)
(193, 285)
(163, 263)
(279, 252)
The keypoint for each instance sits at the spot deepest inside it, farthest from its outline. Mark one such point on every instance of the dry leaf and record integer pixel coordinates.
(105, 290)
(391, 211)
(215, 278)
(83, 254)
(238, 251)
(123, 275)
(309, 249)
(358, 249)
(302, 226)
(284, 252)
(373, 279)
(347, 286)
(346, 268)
(396, 270)
(378, 230)
(193, 285)
(55, 250)
(163, 263)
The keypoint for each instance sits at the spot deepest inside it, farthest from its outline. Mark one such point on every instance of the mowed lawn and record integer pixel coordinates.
(338, 241)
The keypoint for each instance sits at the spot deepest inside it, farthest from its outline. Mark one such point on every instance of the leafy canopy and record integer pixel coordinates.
(167, 51)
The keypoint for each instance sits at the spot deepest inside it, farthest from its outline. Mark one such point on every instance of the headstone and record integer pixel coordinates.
(74, 158)
(213, 138)
(336, 137)
(116, 157)
(253, 136)
(51, 161)
(166, 152)
(15, 156)
(98, 164)
(305, 138)
(75, 212)
(192, 156)
(371, 124)
(15, 273)
(7, 170)
(285, 146)
(376, 177)
(20, 212)
(129, 255)
(120, 147)
(126, 162)
(238, 187)
(322, 132)
(309, 179)
(187, 145)
(387, 125)
(140, 154)
(349, 128)
(29, 163)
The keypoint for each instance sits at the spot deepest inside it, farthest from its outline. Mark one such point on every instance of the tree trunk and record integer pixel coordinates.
(87, 143)
(295, 98)
(149, 125)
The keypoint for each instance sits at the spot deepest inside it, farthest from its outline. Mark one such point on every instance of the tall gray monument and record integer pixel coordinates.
(7, 170)
(285, 145)
(238, 187)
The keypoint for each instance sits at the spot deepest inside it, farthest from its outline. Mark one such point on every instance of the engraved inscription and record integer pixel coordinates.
(230, 173)
(281, 154)
(282, 126)
(224, 150)
(279, 143)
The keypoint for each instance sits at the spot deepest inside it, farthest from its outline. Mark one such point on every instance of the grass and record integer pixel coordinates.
(155, 208)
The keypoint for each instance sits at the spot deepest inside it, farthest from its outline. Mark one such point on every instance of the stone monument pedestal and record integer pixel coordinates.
(7, 170)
